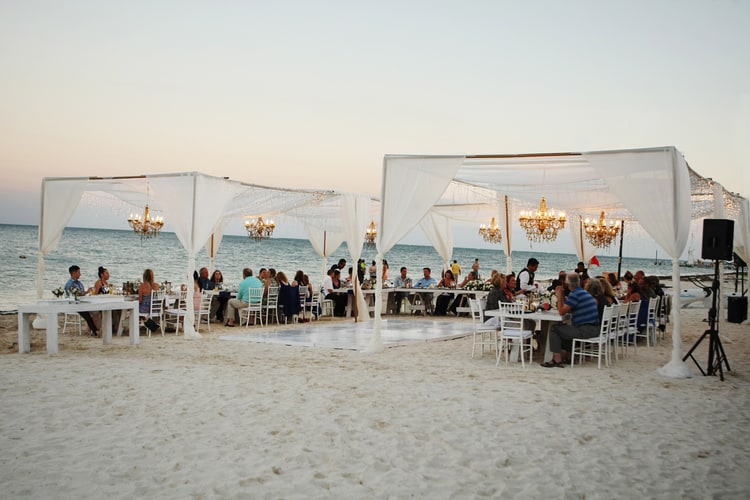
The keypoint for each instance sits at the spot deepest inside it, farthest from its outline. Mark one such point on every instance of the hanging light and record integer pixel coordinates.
(145, 226)
(543, 225)
(259, 229)
(600, 233)
(491, 233)
(370, 234)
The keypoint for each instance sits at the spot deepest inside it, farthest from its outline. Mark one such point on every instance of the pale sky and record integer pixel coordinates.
(313, 94)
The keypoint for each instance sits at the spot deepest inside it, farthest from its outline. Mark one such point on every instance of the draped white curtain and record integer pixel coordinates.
(214, 242)
(584, 249)
(325, 243)
(437, 228)
(413, 185)
(505, 223)
(194, 204)
(742, 231)
(355, 214)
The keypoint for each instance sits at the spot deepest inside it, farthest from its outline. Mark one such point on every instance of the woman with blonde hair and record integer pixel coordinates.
(144, 291)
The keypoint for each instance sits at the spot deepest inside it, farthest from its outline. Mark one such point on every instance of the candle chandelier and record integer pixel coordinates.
(259, 229)
(491, 233)
(145, 226)
(543, 225)
(600, 233)
(370, 234)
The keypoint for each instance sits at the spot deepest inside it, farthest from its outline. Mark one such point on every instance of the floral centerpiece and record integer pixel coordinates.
(58, 292)
(548, 300)
(477, 286)
(74, 291)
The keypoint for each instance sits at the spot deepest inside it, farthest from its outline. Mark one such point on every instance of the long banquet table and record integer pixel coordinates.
(51, 308)
(370, 295)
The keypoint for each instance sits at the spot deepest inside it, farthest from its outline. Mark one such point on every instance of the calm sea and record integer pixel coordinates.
(126, 258)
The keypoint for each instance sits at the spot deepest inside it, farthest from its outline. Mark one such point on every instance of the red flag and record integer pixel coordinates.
(594, 261)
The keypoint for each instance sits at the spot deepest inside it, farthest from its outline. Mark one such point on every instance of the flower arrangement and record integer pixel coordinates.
(74, 291)
(548, 299)
(477, 285)
(58, 292)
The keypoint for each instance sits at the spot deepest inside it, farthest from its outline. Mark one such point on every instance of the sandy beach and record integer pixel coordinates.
(207, 418)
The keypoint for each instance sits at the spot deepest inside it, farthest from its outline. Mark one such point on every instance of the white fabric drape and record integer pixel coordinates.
(742, 231)
(413, 185)
(584, 249)
(59, 198)
(505, 218)
(437, 228)
(214, 242)
(325, 243)
(194, 204)
(355, 213)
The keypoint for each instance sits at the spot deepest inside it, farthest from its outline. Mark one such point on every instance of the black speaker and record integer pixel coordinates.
(718, 239)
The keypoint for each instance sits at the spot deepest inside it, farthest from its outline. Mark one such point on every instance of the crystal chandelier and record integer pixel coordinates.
(600, 233)
(259, 229)
(491, 233)
(145, 226)
(543, 225)
(370, 234)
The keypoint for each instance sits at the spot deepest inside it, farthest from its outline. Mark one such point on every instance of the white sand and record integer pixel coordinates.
(213, 419)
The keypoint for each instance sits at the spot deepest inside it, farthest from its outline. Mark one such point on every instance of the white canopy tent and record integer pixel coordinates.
(653, 187)
(197, 207)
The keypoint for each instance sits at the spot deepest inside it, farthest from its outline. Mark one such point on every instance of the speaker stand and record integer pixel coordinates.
(716, 355)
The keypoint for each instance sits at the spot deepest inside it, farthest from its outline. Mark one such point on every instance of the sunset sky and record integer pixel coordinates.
(313, 94)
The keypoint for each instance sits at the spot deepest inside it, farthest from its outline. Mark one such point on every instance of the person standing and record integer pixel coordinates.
(456, 269)
(74, 286)
(475, 268)
(525, 279)
(584, 323)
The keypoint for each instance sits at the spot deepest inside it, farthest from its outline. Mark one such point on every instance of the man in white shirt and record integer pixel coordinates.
(525, 279)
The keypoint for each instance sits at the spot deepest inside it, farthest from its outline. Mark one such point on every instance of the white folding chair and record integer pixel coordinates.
(512, 333)
(271, 306)
(649, 329)
(74, 319)
(483, 335)
(204, 310)
(156, 311)
(632, 326)
(176, 315)
(595, 347)
(254, 307)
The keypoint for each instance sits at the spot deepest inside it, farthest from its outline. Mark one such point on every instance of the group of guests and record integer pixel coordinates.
(273, 283)
(586, 303)
(101, 287)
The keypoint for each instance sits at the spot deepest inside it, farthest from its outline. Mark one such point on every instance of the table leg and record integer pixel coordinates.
(24, 332)
(107, 327)
(52, 347)
(134, 333)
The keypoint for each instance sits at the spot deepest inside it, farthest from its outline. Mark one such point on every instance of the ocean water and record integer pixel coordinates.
(126, 257)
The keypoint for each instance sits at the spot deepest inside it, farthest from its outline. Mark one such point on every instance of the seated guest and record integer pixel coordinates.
(333, 282)
(608, 291)
(613, 282)
(470, 276)
(385, 271)
(148, 285)
(560, 280)
(103, 287)
(444, 299)
(426, 281)
(632, 294)
(373, 271)
(288, 296)
(595, 289)
(401, 281)
(497, 293)
(301, 280)
(584, 323)
(74, 286)
(218, 302)
(243, 296)
(203, 281)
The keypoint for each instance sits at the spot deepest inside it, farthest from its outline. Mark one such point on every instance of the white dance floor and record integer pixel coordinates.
(356, 336)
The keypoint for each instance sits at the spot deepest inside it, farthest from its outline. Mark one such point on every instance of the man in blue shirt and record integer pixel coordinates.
(585, 319)
(426, 281)
(74, 283)
(243, 295)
